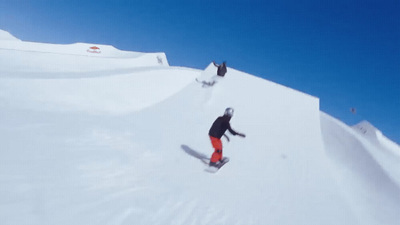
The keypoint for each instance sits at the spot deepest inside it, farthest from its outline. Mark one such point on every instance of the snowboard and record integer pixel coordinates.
(214, 169)
(206, 83)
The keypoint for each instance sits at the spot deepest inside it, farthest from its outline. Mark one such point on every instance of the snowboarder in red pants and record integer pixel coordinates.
(217, 130)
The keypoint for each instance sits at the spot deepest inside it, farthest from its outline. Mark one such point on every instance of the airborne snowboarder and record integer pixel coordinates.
(221, 71)
(217, 130)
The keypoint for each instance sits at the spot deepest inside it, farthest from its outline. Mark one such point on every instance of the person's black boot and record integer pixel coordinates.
(213, 164)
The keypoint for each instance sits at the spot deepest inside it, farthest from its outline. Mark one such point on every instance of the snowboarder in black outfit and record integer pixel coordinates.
(221, 71)
(217, 130)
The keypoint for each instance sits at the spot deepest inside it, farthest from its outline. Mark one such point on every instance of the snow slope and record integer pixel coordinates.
(125, 143)
(367, 171)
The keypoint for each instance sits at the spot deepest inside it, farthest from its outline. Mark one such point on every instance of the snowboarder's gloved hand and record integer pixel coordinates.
(242, 135)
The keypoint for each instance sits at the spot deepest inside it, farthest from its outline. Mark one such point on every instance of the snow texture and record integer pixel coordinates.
(117, 137)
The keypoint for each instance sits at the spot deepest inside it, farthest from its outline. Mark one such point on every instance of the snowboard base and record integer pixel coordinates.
(214, 169)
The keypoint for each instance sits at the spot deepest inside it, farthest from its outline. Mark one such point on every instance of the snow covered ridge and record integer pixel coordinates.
(4, 35)
(87, 139)
(79, 57)
(375, 136)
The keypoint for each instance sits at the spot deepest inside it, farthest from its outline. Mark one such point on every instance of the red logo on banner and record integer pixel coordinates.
(94, 49)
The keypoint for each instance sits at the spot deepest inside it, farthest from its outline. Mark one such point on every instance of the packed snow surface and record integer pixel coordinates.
(103, 136)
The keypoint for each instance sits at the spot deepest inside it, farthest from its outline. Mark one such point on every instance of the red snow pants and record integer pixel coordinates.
(217, 145)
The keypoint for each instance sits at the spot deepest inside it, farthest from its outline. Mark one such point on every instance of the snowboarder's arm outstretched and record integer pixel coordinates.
(234, 132)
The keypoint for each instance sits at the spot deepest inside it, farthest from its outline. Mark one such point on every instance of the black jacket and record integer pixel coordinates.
(221, 71)
(219, 127)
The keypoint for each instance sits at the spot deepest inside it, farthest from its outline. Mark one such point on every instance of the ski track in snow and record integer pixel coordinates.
(121, 138)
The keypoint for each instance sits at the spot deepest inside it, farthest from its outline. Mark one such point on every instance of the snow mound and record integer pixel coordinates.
(25, 58)
(375, 136)
(367, 171)
(4, 35)
(368, 130)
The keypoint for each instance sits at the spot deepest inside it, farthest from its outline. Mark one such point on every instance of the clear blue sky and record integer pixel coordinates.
(346, 52)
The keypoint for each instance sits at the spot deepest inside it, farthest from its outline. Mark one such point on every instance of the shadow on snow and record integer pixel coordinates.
(203, 158)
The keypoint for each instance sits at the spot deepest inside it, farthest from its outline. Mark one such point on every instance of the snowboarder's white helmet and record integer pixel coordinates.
(228, 112)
